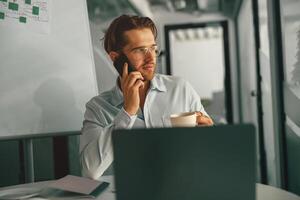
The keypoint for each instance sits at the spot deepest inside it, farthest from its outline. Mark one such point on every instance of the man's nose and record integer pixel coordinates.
(149, 56)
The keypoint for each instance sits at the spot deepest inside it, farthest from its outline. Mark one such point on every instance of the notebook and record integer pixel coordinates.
(198, 163)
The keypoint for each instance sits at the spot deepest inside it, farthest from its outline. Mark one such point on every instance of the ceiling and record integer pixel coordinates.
(107, 9)
(188, 5)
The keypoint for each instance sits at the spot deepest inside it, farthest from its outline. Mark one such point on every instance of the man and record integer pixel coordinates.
(141, 98)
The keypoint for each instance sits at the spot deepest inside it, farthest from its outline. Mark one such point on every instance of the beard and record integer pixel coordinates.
(148, 71)
(148, 76)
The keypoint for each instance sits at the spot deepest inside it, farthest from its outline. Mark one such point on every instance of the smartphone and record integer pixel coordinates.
(119, 64)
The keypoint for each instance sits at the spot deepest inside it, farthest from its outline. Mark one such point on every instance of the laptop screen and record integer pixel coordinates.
(209, 163)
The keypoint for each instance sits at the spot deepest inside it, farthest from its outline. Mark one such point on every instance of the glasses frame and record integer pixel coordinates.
(141, 52)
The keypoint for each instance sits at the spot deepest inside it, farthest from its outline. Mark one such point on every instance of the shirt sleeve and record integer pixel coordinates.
(96, 152)
(195, 100)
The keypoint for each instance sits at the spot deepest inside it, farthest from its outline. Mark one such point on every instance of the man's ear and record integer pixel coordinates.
(113, 55)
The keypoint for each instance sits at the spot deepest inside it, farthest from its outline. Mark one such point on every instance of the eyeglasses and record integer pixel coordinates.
(143, 51)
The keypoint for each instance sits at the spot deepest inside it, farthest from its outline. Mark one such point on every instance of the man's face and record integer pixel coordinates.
(140, 50)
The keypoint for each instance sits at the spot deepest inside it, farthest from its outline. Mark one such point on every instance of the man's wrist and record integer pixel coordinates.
(130, 112)
(124, 120)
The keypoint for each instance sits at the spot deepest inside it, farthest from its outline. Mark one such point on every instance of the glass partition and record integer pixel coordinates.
(291, 39)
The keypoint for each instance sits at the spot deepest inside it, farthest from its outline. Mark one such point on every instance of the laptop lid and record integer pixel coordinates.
(201, 163)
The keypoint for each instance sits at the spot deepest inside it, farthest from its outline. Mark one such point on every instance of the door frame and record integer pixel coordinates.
(227, 75)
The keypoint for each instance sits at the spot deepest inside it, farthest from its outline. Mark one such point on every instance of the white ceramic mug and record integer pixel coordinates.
(186, 119)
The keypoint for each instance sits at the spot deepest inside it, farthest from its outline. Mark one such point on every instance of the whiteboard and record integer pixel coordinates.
(46, 78)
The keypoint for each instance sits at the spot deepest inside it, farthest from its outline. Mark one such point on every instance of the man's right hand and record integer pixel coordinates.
(130, 85)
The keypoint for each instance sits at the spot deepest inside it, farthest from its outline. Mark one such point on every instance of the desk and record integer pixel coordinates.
(263, 192)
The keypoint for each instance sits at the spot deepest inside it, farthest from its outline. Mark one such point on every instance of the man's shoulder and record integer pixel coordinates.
(104, 97)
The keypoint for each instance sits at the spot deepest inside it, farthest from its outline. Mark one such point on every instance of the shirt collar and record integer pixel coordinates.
(158, 84)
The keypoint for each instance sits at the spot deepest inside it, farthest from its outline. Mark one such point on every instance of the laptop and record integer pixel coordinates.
(198, 163)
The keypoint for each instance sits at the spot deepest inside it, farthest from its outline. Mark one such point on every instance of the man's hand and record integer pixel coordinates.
(203, 120)
(130, 84)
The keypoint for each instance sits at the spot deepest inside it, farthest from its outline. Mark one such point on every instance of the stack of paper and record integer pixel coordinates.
(68, 187)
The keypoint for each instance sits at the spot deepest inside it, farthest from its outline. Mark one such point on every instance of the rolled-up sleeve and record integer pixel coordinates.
(96, 151)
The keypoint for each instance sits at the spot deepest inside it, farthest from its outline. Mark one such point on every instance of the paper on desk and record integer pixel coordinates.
(19, 193)
(76, 184)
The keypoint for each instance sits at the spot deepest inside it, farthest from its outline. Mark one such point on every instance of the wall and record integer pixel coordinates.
(247, 68)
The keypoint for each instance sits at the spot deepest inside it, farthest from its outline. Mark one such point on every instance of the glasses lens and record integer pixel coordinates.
(141, 52)
(157, 51)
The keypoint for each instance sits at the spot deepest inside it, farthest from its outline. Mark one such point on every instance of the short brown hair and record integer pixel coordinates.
(114, 37)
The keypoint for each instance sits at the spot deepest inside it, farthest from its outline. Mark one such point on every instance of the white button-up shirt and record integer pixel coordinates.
(104, 113)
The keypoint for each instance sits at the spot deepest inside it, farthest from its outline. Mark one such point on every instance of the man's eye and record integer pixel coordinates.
(141, 50)
(154, 48)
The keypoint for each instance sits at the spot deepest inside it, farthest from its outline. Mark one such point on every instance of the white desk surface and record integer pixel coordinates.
(263, 192)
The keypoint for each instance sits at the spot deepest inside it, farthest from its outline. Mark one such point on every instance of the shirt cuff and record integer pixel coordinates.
(123, 120)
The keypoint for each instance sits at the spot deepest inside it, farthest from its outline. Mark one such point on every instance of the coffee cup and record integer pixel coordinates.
(186, 119)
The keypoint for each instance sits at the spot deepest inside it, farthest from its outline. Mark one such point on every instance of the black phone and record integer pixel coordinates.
(119, 63)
